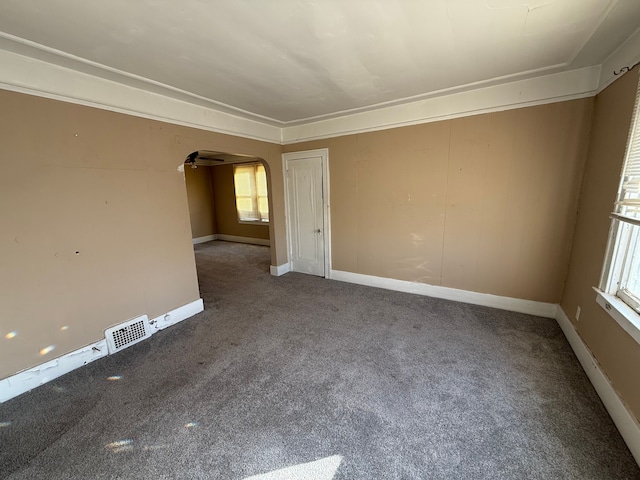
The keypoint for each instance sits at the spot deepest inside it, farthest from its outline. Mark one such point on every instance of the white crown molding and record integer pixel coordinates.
(37, 70)
(36, 77)
(551, 88)
(626, 55)
(27, 48)
(432, 94)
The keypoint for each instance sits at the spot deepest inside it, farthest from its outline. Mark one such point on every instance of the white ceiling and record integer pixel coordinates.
(287, 62)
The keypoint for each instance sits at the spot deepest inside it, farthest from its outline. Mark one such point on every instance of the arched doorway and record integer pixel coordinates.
(229, 197)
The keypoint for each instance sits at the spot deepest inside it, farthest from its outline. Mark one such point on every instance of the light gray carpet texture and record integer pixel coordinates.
(283, 371)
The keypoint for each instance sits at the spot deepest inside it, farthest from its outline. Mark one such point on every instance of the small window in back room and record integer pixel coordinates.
(252, 201)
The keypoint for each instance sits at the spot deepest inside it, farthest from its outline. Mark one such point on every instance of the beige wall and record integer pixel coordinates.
(615, 350)
(225, 205)
(200, 198)
(484, 203)
(105, 185)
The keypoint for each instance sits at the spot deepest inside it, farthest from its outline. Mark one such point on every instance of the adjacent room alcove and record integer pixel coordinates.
(228, 196)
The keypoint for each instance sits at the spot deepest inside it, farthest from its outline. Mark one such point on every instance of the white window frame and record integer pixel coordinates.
(245, 221)
(624, 238)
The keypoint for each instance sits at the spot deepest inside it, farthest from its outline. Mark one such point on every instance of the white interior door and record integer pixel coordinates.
(306, 213)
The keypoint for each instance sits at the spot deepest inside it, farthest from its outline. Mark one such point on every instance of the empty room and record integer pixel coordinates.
(320, 239)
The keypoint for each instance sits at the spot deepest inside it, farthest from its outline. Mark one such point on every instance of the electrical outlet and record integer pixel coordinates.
(578, 314)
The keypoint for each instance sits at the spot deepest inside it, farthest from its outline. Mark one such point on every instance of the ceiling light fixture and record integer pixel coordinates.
(191, 159)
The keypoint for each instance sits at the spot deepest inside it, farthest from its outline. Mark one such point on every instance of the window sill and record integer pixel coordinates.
(626, 317)
(252, 222)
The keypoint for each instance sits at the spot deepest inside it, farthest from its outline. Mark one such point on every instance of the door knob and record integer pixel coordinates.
(318, 231)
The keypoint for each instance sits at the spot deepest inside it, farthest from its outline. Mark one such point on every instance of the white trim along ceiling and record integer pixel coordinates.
(287, 71)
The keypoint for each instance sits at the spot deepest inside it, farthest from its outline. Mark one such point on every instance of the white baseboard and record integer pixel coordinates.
(31, 378)
(531, 307)
(626, 423)
(234, 238)
(206, 238)
(278, 270)
(178, 314)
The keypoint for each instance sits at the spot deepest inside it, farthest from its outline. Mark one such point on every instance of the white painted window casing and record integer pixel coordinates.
(619, 292)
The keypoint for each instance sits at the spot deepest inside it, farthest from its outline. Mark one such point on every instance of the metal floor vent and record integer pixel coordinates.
(127, 333)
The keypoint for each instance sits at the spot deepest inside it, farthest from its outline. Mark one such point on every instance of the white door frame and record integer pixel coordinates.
(323, 153)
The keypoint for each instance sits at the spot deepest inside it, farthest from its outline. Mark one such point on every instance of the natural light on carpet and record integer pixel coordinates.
(120, 445)
(323, 469)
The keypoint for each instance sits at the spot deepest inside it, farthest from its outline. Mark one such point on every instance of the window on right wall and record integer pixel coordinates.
(621, 274)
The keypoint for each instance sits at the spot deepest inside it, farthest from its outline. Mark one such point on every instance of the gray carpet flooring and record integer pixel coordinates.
(279, 372)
